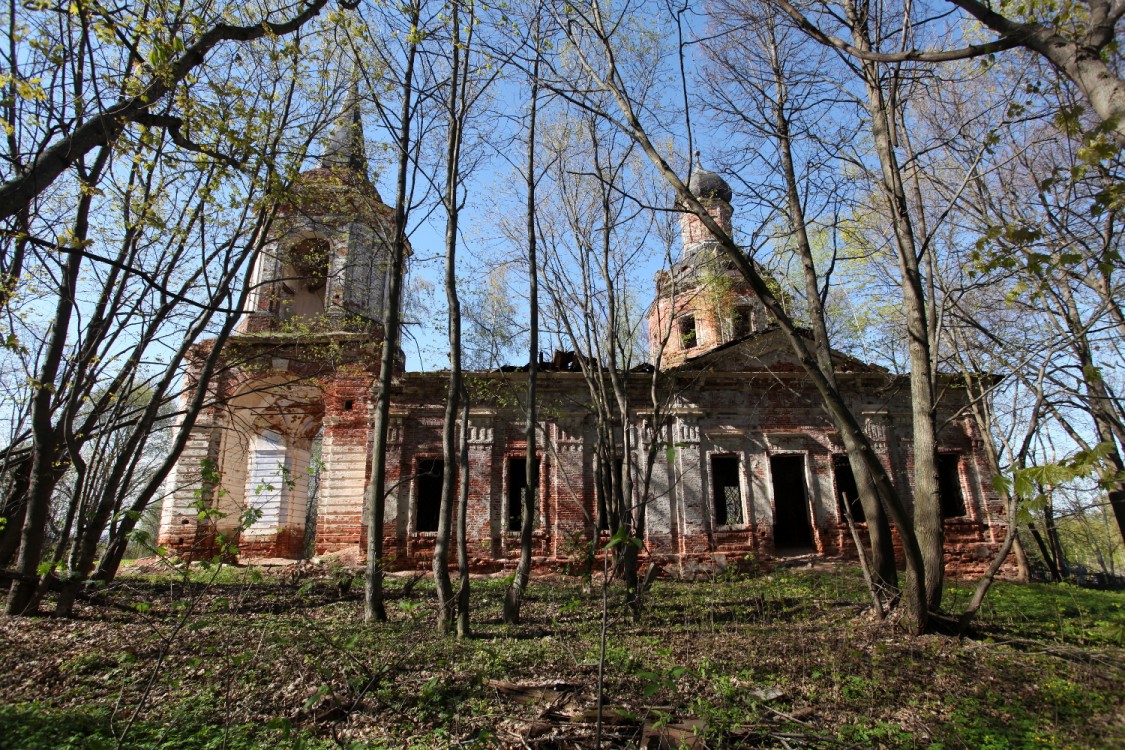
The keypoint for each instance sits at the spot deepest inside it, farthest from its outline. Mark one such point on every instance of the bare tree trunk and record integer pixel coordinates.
(455, 112)
(86, 548)
(513, 601)
(376, 496)
(1023, 570)
(46, 438)
(884, 572)
(989, 577)
(916, 613)
(1053, 540)
(463, 628)
(18, 473)
(1044, 550)
(612, 406)
(928, 521)
(1099, 404)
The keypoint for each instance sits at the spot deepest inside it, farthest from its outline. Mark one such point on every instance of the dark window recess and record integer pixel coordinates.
(743, 323)
(517, 489)
(604, 490)
(348, 404)
(427, 484)
(727, 490)
(949, 485)
(846, 488)
(688, 337)
(791, 525)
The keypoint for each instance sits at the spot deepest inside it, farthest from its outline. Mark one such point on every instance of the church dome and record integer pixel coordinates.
(707, 185)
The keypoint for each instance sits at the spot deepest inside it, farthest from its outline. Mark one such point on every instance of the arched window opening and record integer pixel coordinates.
(312, 507)
(304, 277)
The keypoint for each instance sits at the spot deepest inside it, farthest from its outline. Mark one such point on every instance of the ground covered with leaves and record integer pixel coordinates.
(282, 659)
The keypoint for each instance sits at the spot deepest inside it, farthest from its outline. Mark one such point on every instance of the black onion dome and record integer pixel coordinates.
(708, 186)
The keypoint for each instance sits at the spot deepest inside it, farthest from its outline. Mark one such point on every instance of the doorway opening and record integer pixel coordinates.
(791, 526)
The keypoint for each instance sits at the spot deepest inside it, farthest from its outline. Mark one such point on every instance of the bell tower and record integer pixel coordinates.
(703, 302)
(297, 375)
(326, 267)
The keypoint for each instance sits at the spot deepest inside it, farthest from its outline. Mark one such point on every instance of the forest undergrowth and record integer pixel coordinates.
(280, 658)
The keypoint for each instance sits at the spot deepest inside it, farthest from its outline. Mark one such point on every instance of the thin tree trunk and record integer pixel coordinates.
(1098, 404)
(1023, 570)
(1048, 556)
(884, 572)
(1053, 539)
(928, 522)
(463, 627)
(455, 112)
(916, 614)
(46, 438)
(513, 601)
(376, 496)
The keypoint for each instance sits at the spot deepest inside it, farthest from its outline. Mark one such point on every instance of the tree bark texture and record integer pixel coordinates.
(928, 521)
(513, 601)
(376, 496)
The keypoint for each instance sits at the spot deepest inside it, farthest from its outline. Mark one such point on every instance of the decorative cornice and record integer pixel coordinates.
(480, 429)
(687, 431)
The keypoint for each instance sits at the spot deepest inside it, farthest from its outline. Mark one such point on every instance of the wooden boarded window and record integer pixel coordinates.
(427, 497)
(846, 488)
(726, 492)
(949, 485)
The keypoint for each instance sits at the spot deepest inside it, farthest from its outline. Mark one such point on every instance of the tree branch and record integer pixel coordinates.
(104, 128)
(1008, 40)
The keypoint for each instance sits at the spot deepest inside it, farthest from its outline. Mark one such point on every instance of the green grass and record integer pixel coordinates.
(189, 726)
(1054, 612)
(748, 659)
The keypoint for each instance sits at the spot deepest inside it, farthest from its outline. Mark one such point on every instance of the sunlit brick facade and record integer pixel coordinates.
(746, 463)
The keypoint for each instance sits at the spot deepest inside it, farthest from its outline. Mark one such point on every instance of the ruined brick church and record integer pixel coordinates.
(749, 463)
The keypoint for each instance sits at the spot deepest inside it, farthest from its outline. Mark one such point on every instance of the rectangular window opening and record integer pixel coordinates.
(688, 337)
(727, 490)
(603, 489)
(949, 485)
(517, 490)
(427, 484)
(743, 323)
(847, 490)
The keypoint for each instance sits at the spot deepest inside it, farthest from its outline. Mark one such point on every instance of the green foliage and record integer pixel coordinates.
(187, 726)
(1032, 483)
(622, 536)
(1061, 612)
(737, 653)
